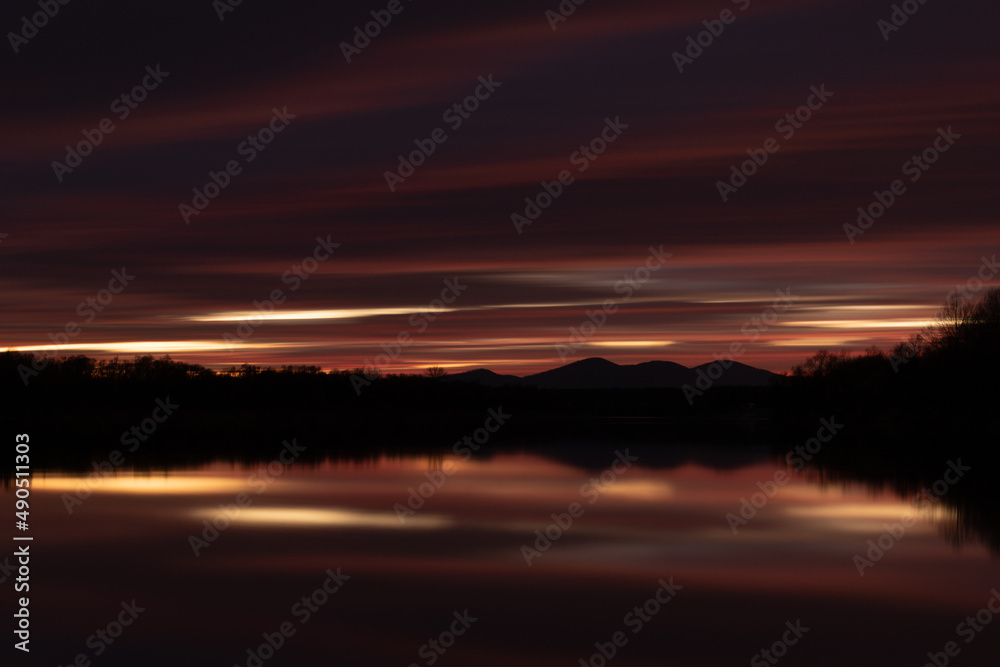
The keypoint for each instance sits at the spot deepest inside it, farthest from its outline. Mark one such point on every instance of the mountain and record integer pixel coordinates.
(593, 373)
(598, 373)
(739, 375)
(486, 377)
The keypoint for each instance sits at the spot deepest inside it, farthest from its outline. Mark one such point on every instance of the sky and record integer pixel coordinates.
(116, 240)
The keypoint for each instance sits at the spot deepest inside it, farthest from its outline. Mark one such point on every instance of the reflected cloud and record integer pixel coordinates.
(308, 517)
(869, 519)
(140, 485)
(643, 489)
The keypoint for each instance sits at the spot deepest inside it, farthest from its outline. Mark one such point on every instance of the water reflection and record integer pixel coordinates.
(926, 478)
(461, 546)
(310, 517)
(969, 512)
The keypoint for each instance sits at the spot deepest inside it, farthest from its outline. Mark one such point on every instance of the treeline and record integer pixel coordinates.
(82, 408)
(940, 382)
(79, 403)
(942, 378)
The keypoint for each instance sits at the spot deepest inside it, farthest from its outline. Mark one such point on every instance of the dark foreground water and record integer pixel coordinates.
(341, 564)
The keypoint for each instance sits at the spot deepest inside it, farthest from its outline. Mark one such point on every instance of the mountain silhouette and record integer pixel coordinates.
(599, 373)
(739, 375)
(486, 378)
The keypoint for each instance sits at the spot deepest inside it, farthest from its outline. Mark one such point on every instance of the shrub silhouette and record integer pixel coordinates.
(940, 377)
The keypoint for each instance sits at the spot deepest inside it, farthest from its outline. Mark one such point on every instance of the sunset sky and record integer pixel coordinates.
(515, 290)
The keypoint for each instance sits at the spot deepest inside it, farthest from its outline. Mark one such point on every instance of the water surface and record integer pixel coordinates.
(406, 576)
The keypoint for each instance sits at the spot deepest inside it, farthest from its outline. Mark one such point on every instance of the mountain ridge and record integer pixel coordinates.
(600, 373)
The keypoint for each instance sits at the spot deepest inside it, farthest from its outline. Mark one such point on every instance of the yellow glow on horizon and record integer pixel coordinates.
(770, 299)
(357, 313)
(817, 342)
(861, 324)
(632, 343)
(139, 347)
(296, 315)
(876, 307)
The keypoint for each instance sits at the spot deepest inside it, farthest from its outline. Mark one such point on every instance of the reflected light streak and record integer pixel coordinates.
(644, 489)
(857, 518)
(307, 517)
(165, 485)
(853, 511)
